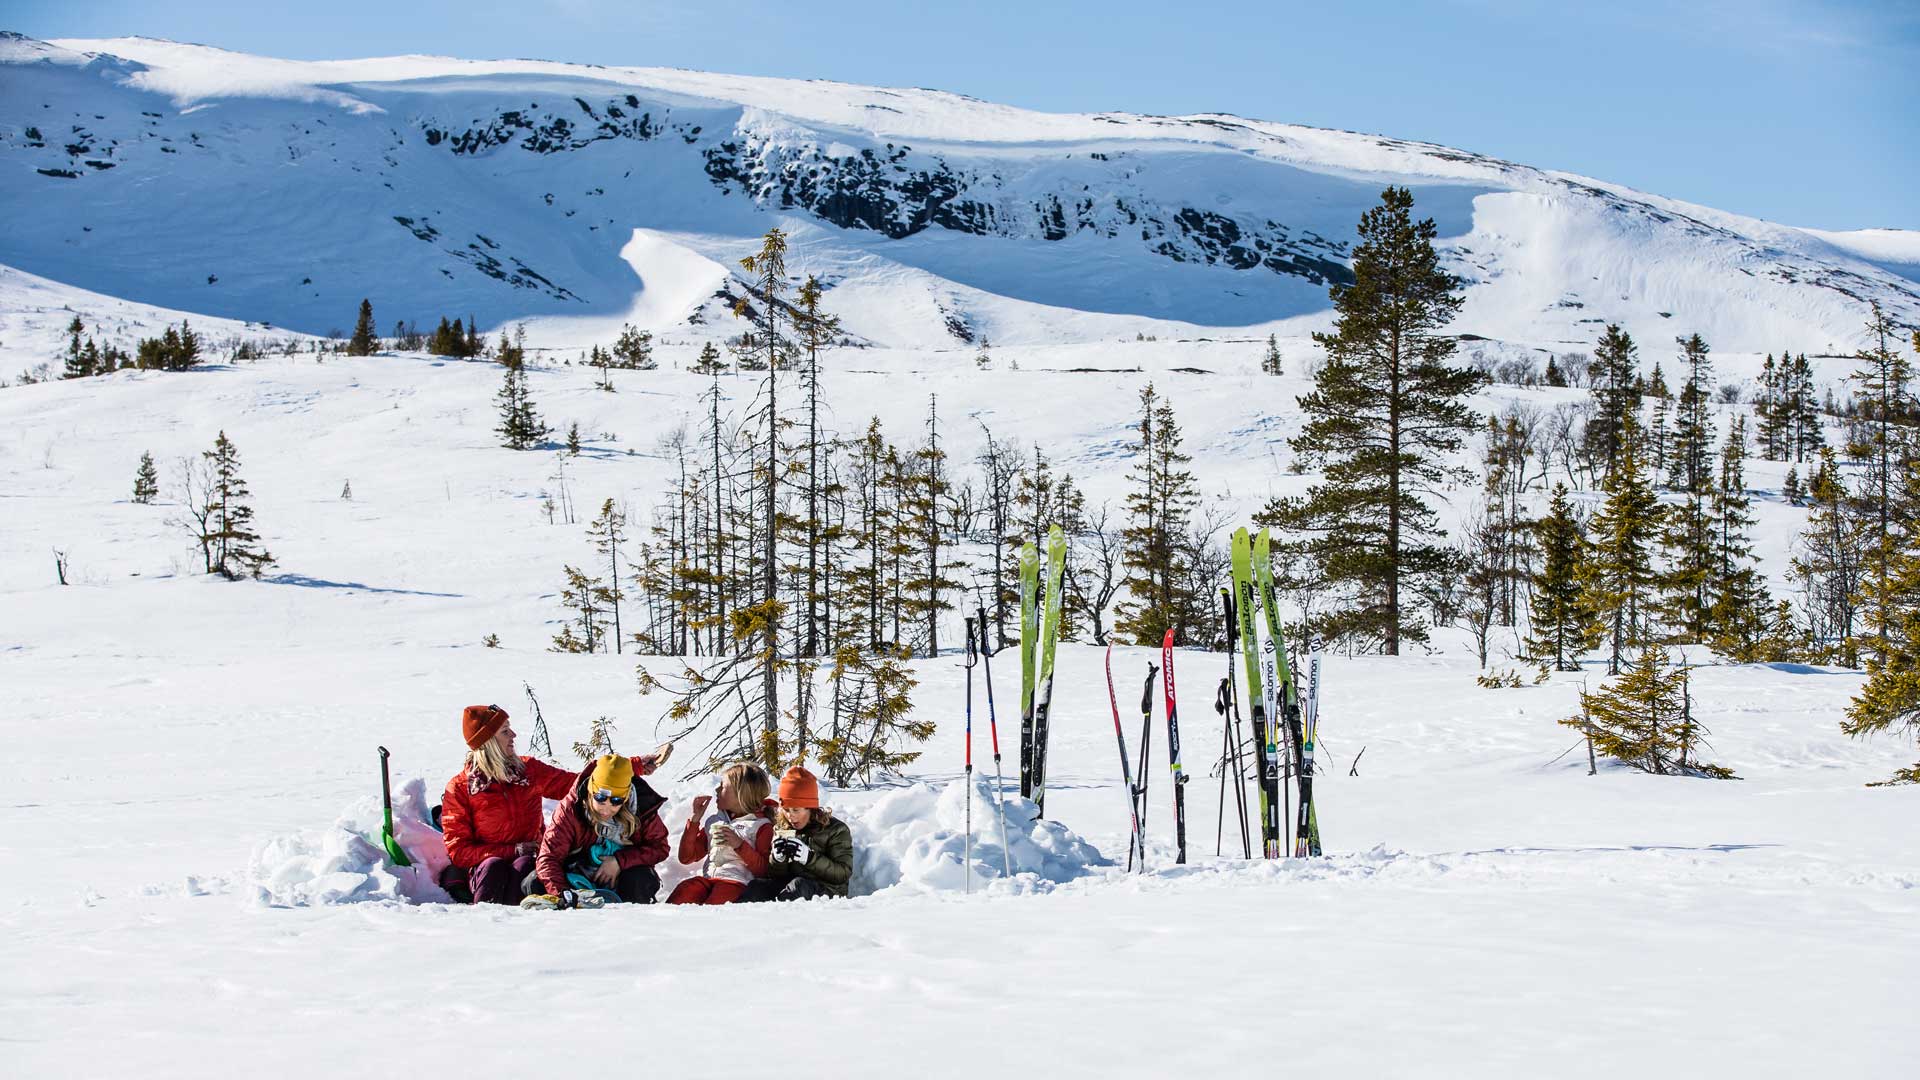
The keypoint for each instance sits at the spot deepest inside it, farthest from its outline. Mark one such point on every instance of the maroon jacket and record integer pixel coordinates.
(570, 833)
(483, 819)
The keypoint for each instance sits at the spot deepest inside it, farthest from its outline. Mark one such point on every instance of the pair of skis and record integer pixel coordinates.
(1273, 697)
(1137, 796)
(1039, 634)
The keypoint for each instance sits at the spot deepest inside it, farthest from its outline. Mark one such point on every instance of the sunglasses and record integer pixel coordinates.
(606, 795)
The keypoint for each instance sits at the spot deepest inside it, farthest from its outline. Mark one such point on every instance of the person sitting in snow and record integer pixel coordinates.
(812, 852)
(731, 833)
(490, 812)
(604, 841)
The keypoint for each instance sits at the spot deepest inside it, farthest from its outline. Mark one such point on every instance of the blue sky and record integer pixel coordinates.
(1800, 111)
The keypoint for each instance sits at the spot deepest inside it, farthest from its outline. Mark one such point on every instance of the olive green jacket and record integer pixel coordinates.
(830, 855)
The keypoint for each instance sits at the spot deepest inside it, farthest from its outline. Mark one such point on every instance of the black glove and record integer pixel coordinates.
(791, 849)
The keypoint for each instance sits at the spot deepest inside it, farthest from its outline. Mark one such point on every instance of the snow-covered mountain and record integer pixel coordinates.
(578, 197)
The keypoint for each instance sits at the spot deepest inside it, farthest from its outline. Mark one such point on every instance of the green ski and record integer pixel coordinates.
(1049, 637)
(1029, 640)
(1288, 712)
(1248, 600)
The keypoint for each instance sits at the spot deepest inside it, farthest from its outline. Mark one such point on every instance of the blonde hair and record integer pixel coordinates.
(751, 785)
(623, 819)
(493, 763)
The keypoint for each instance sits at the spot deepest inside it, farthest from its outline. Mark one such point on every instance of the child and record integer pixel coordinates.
(605, 839)
(812, 852)
(733, 837)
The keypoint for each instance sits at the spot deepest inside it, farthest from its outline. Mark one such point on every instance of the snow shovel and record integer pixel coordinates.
(394, 850)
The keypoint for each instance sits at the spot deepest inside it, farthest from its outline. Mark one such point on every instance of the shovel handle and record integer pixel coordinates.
(386, 788)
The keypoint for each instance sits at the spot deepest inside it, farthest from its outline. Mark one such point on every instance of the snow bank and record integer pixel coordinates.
(345, 863)
(914, 839)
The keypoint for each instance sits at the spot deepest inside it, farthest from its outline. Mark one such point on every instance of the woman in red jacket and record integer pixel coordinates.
(491, 812)
(605, 837)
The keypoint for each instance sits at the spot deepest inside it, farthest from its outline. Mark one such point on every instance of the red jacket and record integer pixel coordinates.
(694, 842)
(570, 834)
(483, 819)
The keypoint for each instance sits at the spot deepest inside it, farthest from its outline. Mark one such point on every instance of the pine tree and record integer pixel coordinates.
(1271, 364)
(634, 349)
(602, 362)
(926, 497)
(1829, 563)
(1386, 409)
(607, 531)
(1739, 610)
(1564, 626)
(1690, 468)
(1616, 392)
(232, 545)
(1159, 509)
(520, 426)
(1888, 447)
(1776, 417)
(80, 364)
(709, 362)
(146, 480)
(588, 598)
(768, 268)
(1890, 700)
(1809, 435)
(1644, 719)
(363, 342)
(816, 329)
(1792, 489)
(573, 438)
(1621, 581)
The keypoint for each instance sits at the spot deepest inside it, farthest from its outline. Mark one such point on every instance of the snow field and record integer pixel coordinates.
(194, 782)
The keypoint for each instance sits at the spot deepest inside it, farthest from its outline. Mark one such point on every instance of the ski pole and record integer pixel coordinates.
(1237, 737)
(993, 728)
(1146, 741)
(972, 658)
(1126, 768)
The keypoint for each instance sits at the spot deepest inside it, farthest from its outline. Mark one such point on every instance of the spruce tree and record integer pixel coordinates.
(363, 342)
(1159, 508)
(1271, 364)
(768, 270)
(1809, 434)
(146, 480)
(1621, 581)
(1616, 392)
(1644, 719)
(1690, 468)
(520, 425)
(1564, 626)
(1829, 563)
(634, 349)
(709, 362)
(607, 531)
(80, 362)
(1386, 410)
(1739, 610)
(1890, 700)
(232, 545)
(1887, 445)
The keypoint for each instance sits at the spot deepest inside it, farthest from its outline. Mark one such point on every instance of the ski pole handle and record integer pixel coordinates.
(1146, 692)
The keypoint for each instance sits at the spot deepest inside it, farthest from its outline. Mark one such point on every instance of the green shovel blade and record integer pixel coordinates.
(394, 850)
